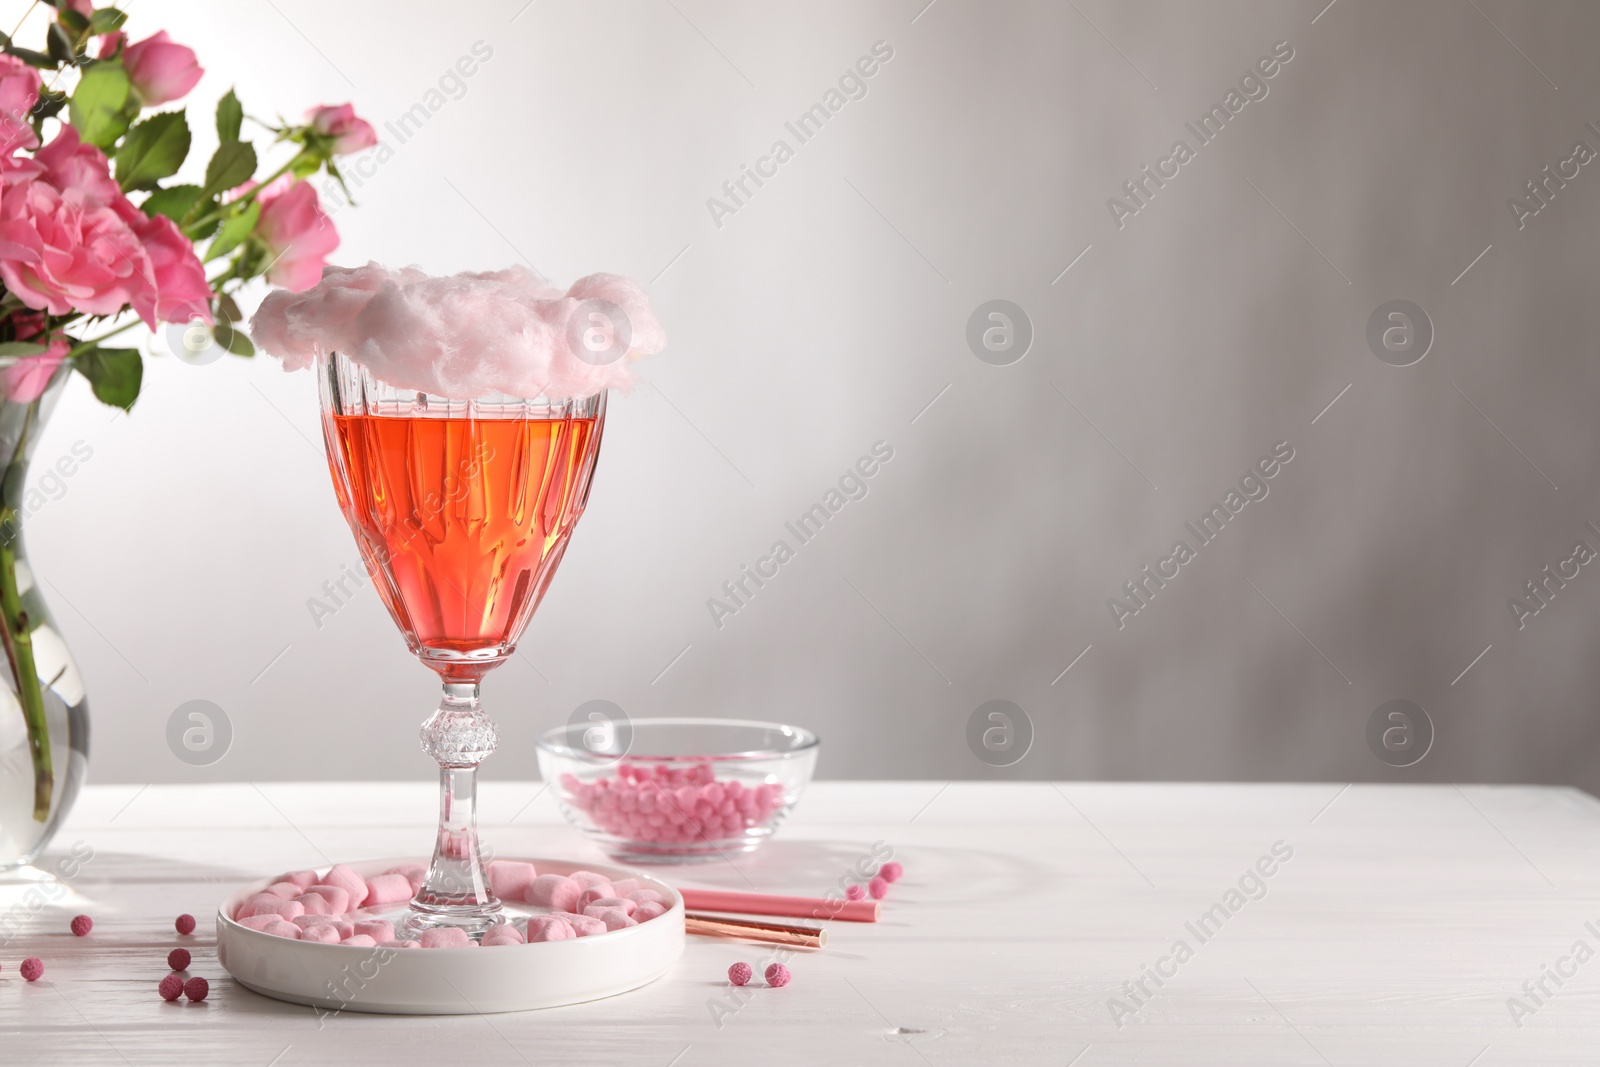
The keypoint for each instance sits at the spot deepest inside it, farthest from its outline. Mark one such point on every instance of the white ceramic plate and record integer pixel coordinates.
(454, 981)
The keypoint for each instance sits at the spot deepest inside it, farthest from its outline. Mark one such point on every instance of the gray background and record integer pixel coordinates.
(831, 310)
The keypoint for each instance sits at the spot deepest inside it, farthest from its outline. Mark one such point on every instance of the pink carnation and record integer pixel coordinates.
(160, 69)
(349, 133)
(297, 231)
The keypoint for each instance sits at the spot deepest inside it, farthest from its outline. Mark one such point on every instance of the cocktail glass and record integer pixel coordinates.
(461, 510)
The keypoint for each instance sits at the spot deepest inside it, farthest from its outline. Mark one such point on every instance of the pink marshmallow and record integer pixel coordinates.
(387, 889)
(645, 896)
(260, 922)
(279, 928)
(504, 934)
(583, 925)
(550, 928)
(400, 944)
(445, 937)
(353, 884)
(625, 886)
(591, 880)
(648, 911)
(311, 903)
(344, 927)
(283, 890)
(614, 918)
(508, 879)
(624, 903)
(339, 899)
(553, 891)
(324, 933)
(359, 941)
(266, 903)
(415, 873)
(300, 878)
(380, 930)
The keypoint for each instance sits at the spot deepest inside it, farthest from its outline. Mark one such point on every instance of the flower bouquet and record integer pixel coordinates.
(98, 236)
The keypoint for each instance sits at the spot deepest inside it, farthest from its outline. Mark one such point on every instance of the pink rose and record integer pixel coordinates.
(19, 91)
(349, 133)
(182, 292)
(26, 380)
(161, 70)
(297, 232)
(82, 175)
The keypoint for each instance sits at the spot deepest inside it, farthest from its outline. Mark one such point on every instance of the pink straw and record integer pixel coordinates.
(860, 911)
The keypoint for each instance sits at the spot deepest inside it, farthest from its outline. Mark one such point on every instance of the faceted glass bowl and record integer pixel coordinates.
(677, 790)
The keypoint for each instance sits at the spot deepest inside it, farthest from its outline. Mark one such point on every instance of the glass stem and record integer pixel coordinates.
(460, 735)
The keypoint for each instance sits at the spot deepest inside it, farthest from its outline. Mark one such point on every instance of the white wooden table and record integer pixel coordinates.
(1396, 932)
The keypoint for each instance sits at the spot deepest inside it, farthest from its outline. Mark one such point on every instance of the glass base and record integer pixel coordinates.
(476, 920)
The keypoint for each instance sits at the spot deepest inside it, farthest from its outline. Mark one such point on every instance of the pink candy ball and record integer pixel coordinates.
(196, 989)
(891, 871)
(739, 973)
(32, 968)
(171, 987)
(81, 925)
(854, 892)
(184, 924)
(178, 959)
(777, 976)
(878, 888)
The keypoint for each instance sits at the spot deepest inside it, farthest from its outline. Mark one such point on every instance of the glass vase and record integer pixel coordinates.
(44, 713)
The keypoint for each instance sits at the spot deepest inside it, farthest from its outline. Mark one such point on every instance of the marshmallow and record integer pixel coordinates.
(282, 929)
(324, 933)
(583, 925)
(359, 941)
(380, 930)
(415, 873)
(614, 918)
(283, 890)
(625, 886)
(312, 904)
(352, 883)
(339, 898)
(266, 903)
(387, 889)
(300, 878)
(553, 891)
(343, 926)
(400, 944)
(648, 911)
(260, 922)
(624, 903)
(508, 879)
(645, 896)
(590, 880)
(504, 934)
(550, 928)
(445, 937)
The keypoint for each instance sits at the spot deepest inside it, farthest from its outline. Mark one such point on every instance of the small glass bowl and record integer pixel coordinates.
(677, 790)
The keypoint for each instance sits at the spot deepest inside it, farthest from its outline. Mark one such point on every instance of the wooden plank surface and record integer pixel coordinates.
(1395, 925)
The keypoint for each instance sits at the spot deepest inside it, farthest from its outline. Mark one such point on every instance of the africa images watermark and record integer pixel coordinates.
(1543, 589)
(1251, 886)
(1536, 992)
(852, 86)
(1252, 488)
(1540, 191)
(852, 485)
(1252, 87)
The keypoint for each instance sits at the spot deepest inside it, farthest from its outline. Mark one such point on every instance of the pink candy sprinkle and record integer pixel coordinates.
(184, 923)
(82, 924)
(854, 892)
(777, 976)
(196, 989)
(178, 959)
(891, 871)
(739, 973)
(32, 968)
(878, 888)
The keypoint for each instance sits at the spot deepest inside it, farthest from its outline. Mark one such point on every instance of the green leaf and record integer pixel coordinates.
(100, 104)
(154, 149)
(174, 201)
(106, 20)
(114, 373)
(58, 43)
(49, 105)
(233, 339)
(227, 310)
(73, 21)
(230, 116)
(234, 230)
(233, 165)
(32, 58)
(21, 348)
